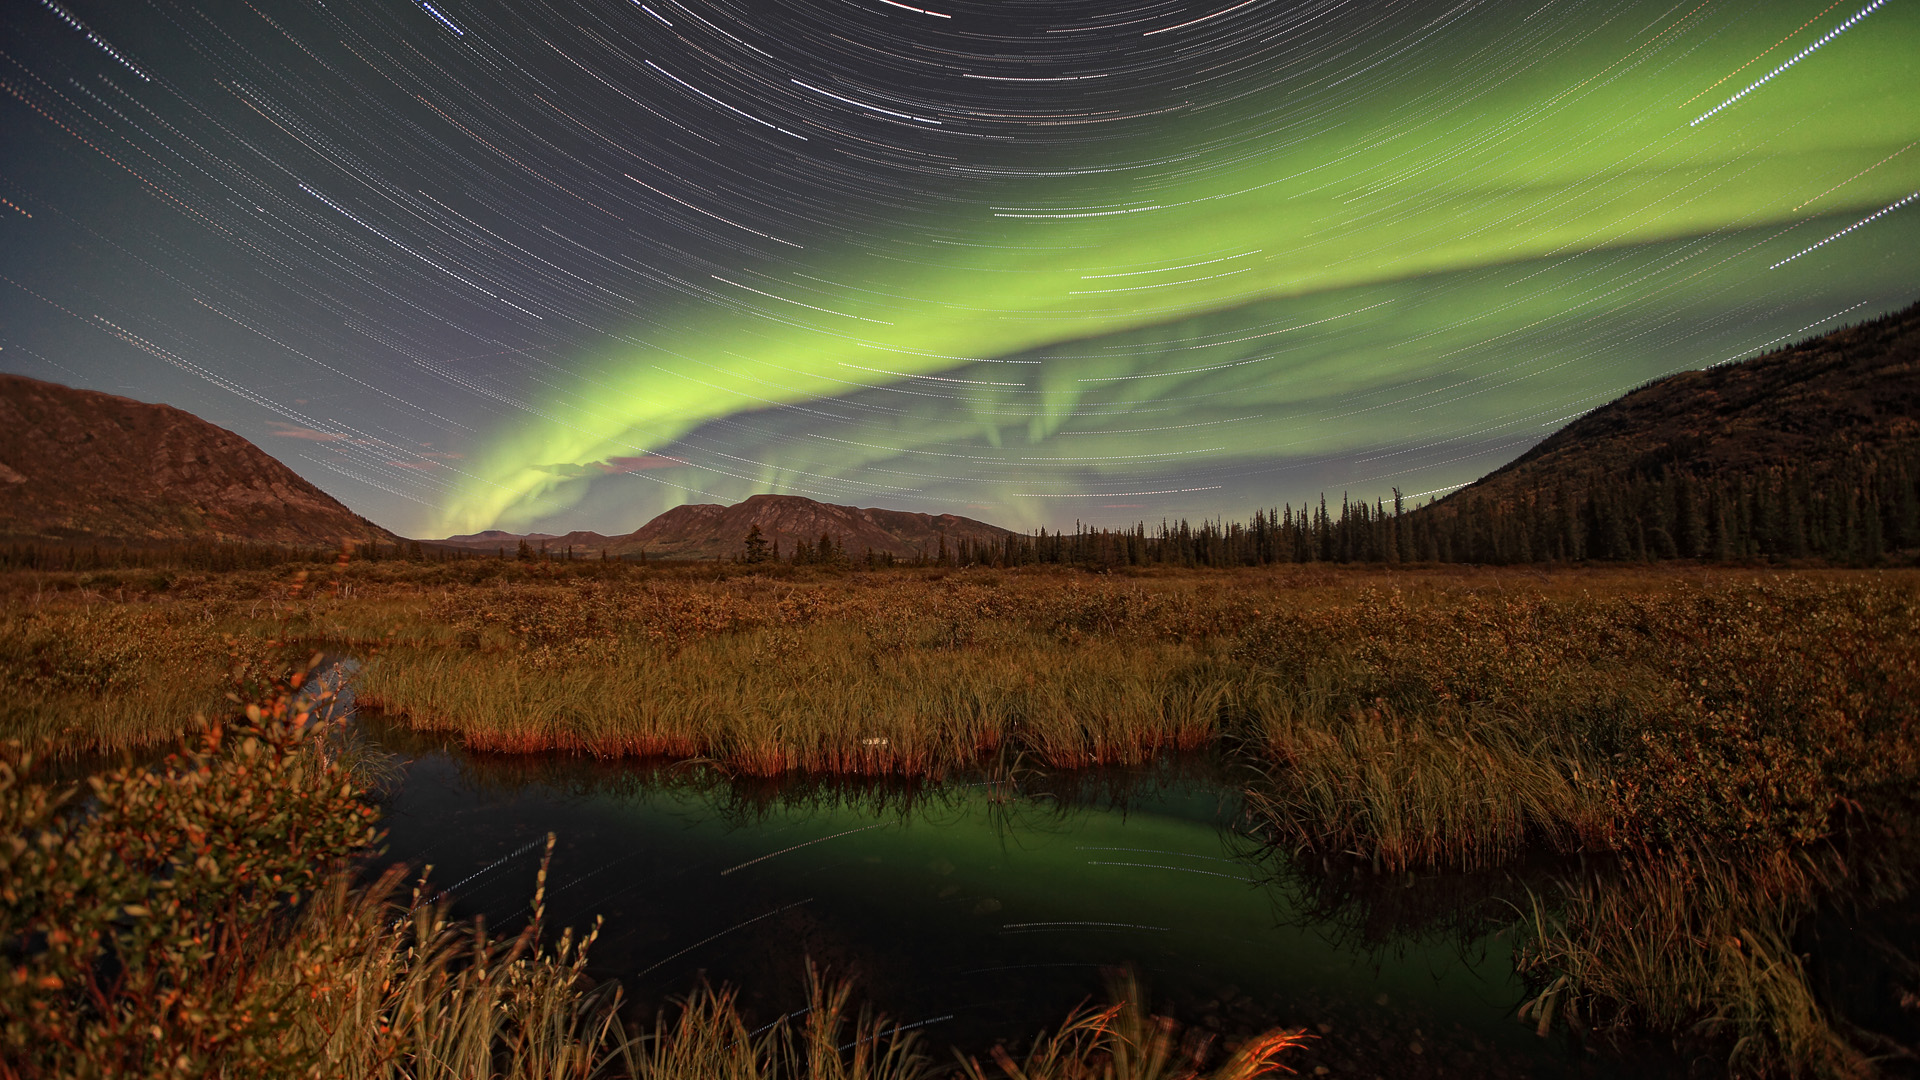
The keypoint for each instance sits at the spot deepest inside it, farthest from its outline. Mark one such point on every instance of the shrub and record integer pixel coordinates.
(135, 909)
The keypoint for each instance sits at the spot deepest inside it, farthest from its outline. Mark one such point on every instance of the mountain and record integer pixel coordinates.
(1806, 407)
(496, 539)
(82, 465)
(1810, 452)
(709, 530)
(704, 530)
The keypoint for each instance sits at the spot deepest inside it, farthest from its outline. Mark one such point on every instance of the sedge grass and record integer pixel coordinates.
(1741, 714)
(763, 704)
(105, 678)
(1124, 1042)
(1695, 944)
(1439, 723)
(1460, 786)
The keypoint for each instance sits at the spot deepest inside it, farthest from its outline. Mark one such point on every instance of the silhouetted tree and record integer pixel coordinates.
(756, 545)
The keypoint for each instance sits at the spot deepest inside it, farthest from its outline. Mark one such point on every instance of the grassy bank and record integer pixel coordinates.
(1701, 945)
(1429, 721)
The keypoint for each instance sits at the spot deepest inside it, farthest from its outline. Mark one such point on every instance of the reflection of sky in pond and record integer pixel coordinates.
(982, 915)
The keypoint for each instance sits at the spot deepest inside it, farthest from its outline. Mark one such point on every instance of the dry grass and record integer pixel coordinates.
(1431, 730)
(767, 701)
(1698, 945)
(105, 678)
(1457, 786)
(401, 992)
(1124, 1042)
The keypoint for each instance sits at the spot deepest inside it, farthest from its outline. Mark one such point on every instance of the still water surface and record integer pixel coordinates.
(980, 909)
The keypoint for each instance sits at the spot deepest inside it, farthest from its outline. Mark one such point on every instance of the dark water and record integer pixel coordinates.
(983, 909)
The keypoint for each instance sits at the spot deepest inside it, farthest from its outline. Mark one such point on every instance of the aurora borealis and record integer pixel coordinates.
(551, 265)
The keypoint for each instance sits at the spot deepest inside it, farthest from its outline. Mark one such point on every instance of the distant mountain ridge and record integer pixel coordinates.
(702, 530)
(711, 530)
(84, 465)
(80, 465)
(492, 539)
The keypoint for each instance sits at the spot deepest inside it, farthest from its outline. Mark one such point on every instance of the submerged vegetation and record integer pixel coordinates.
(1728, 750)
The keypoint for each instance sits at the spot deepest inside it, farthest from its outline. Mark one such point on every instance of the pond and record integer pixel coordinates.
(984, 908)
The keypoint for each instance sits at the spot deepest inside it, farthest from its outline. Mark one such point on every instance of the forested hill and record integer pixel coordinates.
(1813, 405)
(1811, 451)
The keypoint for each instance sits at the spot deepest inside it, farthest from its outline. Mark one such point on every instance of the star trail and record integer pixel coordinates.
(555, 265)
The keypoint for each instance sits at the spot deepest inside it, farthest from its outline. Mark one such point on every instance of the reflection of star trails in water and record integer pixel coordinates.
(1042, 927)
(724, 933)
(797, 847)
(1156, 851)
(1029, 967)
(1182, 869)
(487, 869)
(577, 880)
(892, 1031)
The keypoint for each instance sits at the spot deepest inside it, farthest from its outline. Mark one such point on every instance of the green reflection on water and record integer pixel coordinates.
(989, 906)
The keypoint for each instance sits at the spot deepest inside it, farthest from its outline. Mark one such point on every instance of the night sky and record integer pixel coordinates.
(553, 265)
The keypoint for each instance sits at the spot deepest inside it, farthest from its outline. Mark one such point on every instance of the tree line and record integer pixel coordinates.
(208, 555)
(1859, 510)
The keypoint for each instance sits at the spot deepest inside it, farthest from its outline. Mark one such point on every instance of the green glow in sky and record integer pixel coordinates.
(1398, 281)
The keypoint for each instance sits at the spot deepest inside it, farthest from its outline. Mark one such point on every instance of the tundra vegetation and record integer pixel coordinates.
(198, 917)
(1726, 752)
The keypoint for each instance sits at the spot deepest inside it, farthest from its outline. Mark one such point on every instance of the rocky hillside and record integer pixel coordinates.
(705, 530)
(82, 465)
(1853, 391)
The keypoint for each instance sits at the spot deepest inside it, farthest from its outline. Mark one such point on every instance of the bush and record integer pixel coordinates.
(136, 909)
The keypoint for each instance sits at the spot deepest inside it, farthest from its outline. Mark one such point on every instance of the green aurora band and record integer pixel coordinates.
(1401, 286)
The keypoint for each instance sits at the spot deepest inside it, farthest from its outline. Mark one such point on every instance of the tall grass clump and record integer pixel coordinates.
(710, 1039)
(1124, 1042)
(1448, 731)
(1698, 945)
(403, 992)
(1456, 786)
